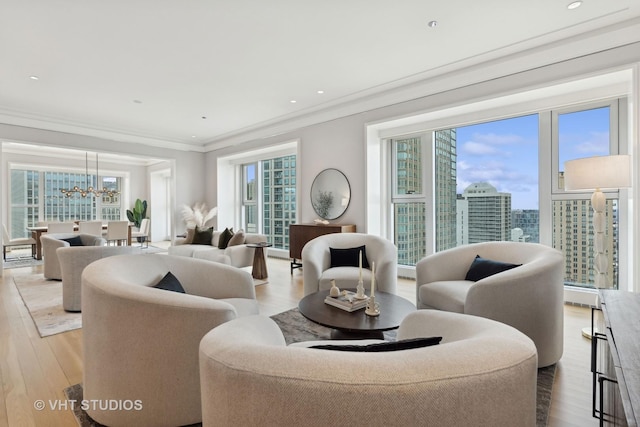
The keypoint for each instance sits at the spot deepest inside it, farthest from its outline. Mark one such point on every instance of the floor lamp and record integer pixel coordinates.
(597, 173)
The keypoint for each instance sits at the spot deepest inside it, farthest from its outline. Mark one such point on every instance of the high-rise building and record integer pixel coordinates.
(446, 194)
(527, 220)
(483, 214)
(409, 216)
(279, 199)
(573, 236)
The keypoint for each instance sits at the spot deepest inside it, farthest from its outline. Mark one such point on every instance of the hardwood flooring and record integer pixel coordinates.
(34, 368)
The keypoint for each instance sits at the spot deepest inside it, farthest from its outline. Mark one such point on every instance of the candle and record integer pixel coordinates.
(373, 278)
(360, 264)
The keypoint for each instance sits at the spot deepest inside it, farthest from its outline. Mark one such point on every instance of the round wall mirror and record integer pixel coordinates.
(330, 194)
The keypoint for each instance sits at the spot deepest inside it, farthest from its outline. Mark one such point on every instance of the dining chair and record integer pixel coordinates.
(20, 241)
(90, 227)
(60, 227)
(117, 232)
(142, 234)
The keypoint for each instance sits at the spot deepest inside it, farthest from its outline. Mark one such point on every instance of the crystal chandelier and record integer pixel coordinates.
(90, 189)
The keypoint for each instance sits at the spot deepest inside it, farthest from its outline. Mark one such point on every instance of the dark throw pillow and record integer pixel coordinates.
(170, 283)
(348, 257)
(74, 241)
(225, 236)
(202, 236)
(384, 346)
(481, 268)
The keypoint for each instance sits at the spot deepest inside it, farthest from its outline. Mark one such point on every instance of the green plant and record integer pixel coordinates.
(138, 213)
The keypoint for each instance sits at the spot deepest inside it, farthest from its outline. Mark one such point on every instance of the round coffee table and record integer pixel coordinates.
(356, 324)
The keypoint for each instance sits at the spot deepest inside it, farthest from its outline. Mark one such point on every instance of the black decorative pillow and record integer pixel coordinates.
(348, 257)
(384, 346)
(202, 236)
(225, 236)
(482, 267)
(74, 241)
(170, 283)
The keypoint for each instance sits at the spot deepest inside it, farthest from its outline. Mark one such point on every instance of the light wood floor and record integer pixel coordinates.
(34, 368)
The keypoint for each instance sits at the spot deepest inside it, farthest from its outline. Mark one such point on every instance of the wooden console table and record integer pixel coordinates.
(300, 234)
(616, 364)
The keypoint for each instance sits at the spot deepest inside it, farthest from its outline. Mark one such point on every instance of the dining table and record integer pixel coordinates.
(37, 231)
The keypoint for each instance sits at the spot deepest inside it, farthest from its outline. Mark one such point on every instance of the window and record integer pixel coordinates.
(487, 181)
(409, 201)
(578, 133)
(36, 196)
(273, 181)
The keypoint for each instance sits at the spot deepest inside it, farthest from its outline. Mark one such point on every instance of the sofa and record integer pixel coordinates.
(318, 265)
(236, 255)
(74, 259)
(483, 373)
(52, 241)
(141, 343)
(529, 297)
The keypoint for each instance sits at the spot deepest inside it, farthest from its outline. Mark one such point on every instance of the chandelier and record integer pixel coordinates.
(90, 190)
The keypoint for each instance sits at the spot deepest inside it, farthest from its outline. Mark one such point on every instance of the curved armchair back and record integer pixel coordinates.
(52, 241)
(250, 377)
(529, 297)
(142, 343)
(316, 261)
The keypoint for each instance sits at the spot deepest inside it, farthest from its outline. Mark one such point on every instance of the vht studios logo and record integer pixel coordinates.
(86, 405)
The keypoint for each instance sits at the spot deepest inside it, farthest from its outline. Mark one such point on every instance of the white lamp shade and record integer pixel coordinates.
(601, 172)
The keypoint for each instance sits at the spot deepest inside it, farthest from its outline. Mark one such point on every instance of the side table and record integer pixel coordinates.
(259, 270)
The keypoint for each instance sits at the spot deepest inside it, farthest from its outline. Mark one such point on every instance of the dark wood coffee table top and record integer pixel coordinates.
(392, 310)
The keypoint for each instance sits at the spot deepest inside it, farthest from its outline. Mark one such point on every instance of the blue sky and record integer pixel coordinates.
(505, 152)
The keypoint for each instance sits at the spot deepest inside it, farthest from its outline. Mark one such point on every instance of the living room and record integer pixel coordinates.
(348, 135)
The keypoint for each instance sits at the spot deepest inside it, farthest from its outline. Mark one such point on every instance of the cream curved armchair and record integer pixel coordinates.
(483, 373)
(140, 342)
(51, 242)
(529, 297)
(317, 262)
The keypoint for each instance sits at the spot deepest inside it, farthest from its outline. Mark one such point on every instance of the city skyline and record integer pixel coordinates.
(504, 153)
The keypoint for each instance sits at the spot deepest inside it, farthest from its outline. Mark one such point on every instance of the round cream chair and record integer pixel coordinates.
(483, 373)
(141, 343)
(318, 264)
(52, 241)
(529, 297)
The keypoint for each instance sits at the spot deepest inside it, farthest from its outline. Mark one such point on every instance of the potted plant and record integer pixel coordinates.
(138, 213)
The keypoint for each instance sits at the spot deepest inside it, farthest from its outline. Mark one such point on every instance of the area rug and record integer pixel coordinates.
(43, 299)
(296, 328)
(19, 262)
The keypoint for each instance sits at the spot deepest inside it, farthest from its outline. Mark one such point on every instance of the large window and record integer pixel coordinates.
(36, 197)
(486, 182)
(273, 181)
(579, 133)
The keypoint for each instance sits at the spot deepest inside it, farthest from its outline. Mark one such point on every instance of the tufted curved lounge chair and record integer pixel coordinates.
(530, 297)
(483, 373)
(316, 262)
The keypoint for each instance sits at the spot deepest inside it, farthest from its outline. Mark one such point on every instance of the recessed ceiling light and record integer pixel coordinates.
(193, 136)
(574, 5)
(320, 92)
(137, 101)
(204, 117)
(432, 24)
(34, 77)
(293, 101)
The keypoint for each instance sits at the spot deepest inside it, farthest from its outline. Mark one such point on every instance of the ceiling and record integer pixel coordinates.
(193, 72)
